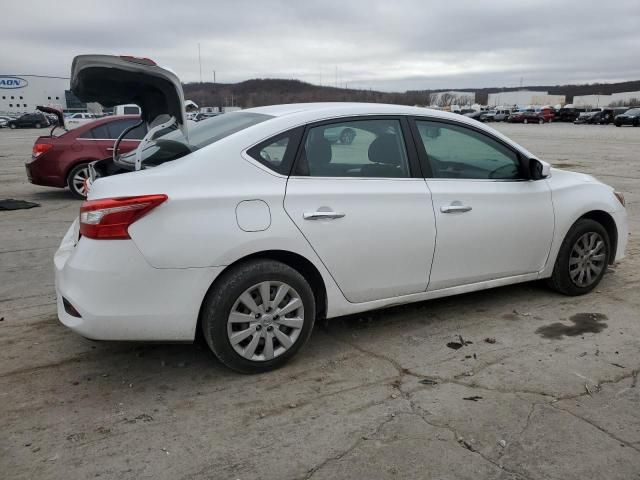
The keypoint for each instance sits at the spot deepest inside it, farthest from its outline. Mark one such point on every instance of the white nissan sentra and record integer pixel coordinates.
(251, 225)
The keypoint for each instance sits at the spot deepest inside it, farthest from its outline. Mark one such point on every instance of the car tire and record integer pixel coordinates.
(570, 275)
(75, 180)
(540, 122)
(617, 125)
(224, 310)
(525, 121)
(38, 125)
(12, 126)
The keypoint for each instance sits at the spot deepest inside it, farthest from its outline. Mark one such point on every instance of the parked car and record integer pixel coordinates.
(630, 117)
(568, 114)
(596, 117)
(502, 115)
(525, 117)
(74, 120)
(63, 161)
(225, 229)
(548, 114)
(4, 121)
(29, 120)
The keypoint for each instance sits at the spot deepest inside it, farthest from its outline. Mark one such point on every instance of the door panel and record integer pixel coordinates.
(383, 245)
(508, 230)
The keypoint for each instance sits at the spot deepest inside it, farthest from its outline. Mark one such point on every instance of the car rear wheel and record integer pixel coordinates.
(541, 121)
(38, 125)
(582, 259)
(76, 180)
(258, 315)
(12, 125)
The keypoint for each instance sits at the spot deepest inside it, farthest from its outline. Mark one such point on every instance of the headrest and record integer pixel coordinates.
(384, 149)
(318, 151)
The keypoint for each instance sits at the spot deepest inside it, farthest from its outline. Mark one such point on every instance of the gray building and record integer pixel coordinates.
(23, 93)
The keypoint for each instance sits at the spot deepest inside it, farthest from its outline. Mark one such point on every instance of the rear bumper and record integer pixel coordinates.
(42, 174)
(119, 296)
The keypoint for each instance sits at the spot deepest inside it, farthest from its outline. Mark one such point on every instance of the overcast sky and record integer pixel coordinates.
(387, 45)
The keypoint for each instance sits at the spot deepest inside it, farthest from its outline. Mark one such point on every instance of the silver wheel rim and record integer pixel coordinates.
(587, 259)
(265, 321)
(79, 181)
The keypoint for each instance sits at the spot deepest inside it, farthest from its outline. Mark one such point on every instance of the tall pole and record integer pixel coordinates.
(200, 62)
(214, 77)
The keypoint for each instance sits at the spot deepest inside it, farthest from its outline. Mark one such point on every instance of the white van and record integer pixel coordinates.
(129, 109)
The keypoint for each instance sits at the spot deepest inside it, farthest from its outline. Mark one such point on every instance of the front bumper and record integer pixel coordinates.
(622, 225)
(119, 296)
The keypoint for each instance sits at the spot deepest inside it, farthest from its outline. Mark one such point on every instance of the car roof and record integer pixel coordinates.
(103, 120)
(347, 108)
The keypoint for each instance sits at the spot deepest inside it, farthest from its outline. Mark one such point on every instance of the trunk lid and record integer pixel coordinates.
(116, 80)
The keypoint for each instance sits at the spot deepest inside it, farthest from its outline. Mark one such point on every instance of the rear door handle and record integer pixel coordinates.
(455, 209)
(322, 215)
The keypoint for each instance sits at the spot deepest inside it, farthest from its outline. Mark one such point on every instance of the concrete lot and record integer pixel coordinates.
(373, 396)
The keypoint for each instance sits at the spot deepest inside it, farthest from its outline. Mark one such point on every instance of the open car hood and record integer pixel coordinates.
(117, 80)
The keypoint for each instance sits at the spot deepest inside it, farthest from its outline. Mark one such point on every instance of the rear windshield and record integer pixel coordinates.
(173, 145)
(633, 111)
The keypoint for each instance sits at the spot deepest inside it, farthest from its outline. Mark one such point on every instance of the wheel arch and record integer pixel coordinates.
(294, 260)
(609, 224)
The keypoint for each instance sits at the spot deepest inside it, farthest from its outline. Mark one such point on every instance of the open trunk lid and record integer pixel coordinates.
(116, 80)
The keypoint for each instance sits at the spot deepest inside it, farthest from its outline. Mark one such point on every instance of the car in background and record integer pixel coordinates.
(29, 120)
(74, 120)
(568, 114)
(4, 121)
(630, 117)
(547, 113)
(63, 161)
(596, 117)
(584, 118)
(526, 117)
(501, 115)
(343, 135)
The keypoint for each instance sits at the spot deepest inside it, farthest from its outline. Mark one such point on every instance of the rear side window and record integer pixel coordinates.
(358, 148)
(278, 152)
(116, 128)
(101, 132)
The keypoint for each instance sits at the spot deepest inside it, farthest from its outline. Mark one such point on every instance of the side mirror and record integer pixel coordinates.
(538, 169)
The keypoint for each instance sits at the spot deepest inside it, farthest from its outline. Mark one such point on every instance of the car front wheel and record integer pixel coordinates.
(258, 315)
(582, 259)
(76, 180)
(12, 126)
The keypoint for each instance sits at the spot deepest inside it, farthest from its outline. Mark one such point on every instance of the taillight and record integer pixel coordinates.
(110, 218)
(40, 148)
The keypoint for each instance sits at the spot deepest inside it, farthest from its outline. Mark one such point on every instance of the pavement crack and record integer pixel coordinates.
(597, 427)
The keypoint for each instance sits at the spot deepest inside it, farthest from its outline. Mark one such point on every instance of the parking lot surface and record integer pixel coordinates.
(542, 386)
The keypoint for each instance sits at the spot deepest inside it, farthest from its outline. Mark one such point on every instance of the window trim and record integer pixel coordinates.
(426, 165)
(291, 152)
(415, 170)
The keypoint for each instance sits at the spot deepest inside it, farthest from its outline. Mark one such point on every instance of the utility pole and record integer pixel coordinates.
(336, 76)
(214, 77)
(200, 62)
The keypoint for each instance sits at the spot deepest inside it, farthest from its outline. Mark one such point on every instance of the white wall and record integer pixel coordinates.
(33, 90)
(603, 100)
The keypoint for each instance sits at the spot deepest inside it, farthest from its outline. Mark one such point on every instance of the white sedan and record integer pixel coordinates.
(251, 225)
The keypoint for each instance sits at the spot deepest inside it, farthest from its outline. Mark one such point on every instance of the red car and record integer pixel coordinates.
(62, 161)
(525, 117)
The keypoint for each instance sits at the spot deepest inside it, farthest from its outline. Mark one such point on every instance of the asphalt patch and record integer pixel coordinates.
(582, 323)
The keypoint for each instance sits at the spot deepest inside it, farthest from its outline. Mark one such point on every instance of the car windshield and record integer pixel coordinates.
(173, 145)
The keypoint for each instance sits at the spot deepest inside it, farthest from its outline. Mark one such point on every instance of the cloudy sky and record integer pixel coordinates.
(388, 45)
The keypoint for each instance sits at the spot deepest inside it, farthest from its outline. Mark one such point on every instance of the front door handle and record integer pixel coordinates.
(322, 215)
(455, 208)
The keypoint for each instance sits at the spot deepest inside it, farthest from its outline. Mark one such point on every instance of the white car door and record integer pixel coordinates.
(492, 222)
(363, 207)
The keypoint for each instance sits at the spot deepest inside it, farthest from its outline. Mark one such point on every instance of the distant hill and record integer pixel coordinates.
(258, 92)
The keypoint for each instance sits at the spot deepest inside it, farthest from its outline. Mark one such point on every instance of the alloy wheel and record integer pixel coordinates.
(79, 181)
(587, 259)
(265, 321)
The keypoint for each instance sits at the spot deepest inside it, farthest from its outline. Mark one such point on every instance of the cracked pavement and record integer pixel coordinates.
(375, 396)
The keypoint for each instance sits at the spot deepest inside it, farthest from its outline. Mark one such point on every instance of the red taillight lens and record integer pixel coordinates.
(40, 148)
(109, 218)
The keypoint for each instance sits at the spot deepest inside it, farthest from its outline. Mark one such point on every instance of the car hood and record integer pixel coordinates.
(117, 80)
